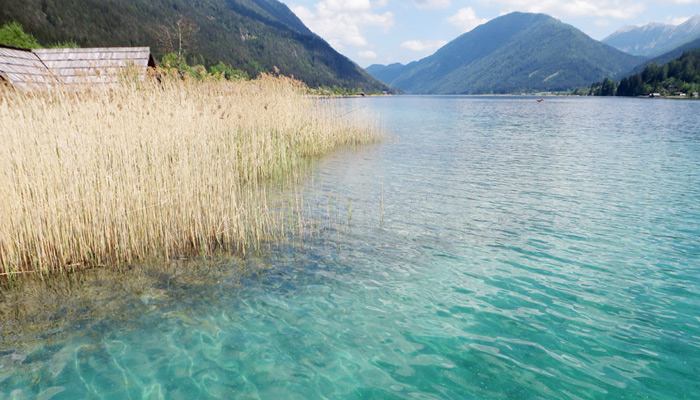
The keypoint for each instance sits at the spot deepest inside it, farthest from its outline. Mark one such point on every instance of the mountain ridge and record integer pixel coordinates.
(669, 56)
(251, 35)
(654, 39)
(517, 52)
(385, 73)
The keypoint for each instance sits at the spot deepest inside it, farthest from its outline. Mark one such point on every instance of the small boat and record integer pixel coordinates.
(540, 100)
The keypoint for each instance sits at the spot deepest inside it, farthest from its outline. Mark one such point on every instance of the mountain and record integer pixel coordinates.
(654, 39)
(252, 35)
(385, 73)
(670, 56)
(518, 52)
(679, 75)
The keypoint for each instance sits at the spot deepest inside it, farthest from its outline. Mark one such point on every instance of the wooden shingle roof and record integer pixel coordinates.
(30, 69)
(23, 69)
(94, 65)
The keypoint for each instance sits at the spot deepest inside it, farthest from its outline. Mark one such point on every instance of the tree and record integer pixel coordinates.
(608, 88)
(176, 37)
(650, 72)
(623, 89)
(12, 34)
(227, 72)
(637, 85)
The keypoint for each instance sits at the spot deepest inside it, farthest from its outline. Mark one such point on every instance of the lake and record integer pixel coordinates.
(493, 247)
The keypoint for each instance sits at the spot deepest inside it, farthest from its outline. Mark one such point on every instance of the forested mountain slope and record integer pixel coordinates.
(671, 55)
(518, 52)
(252, 35)
(679, 75)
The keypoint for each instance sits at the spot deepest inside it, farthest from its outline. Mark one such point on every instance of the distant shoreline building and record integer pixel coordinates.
(45, 68)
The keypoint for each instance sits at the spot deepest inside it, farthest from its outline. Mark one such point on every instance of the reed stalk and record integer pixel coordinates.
(154, 169)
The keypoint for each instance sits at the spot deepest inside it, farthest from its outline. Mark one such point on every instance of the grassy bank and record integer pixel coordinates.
(153, 170)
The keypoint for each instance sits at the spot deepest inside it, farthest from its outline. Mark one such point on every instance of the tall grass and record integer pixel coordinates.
(152, 169)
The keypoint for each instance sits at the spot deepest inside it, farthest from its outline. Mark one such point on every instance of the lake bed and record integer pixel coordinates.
(495, 247)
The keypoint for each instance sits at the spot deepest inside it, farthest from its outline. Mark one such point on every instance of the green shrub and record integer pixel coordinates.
(12, 34)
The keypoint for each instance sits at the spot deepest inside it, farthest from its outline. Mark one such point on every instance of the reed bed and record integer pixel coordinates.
(155, 169)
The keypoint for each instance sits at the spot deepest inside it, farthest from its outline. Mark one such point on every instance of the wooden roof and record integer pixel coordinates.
(23, 69)
(40, 68)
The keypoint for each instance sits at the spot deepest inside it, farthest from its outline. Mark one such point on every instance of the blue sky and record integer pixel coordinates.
(387, 31)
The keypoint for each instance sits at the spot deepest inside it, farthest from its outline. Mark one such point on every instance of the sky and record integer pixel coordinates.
(389, 31)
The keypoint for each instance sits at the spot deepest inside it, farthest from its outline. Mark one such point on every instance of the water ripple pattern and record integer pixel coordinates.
(496, 248)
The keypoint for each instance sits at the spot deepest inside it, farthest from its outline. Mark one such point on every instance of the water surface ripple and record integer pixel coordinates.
(497, 248)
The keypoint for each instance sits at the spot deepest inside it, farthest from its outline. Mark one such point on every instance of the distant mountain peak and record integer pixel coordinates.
(654, 25)
(625, 28)
(692, 23)
(517, 52)
(654, 38)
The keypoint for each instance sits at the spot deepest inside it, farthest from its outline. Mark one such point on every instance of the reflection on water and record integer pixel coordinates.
(498, 248)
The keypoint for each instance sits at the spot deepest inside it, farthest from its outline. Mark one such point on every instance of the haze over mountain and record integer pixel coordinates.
(518, 52)
(385, 73)
(654, 39)
(670, 56)
(252, 35)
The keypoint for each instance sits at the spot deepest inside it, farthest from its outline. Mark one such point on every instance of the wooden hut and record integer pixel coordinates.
(42, 68)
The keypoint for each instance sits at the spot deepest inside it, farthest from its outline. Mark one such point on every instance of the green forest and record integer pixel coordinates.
(681, 75)
(514, 53)
(12, 34)
(251, 36)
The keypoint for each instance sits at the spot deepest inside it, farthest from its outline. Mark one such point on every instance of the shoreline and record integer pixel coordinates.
(91, 180)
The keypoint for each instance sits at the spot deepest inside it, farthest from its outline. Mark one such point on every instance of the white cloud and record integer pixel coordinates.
(617, 9)
(344, 5)
(423, 45)
(367, 54)
(466, 19)
(303, 13)
(682, 2)
(340, 22)
(433, 4)
(677, 21)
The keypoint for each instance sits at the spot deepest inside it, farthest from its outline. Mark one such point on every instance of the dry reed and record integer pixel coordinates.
(152, 170)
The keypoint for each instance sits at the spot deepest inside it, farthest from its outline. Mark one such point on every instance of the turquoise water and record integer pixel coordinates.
(497, 248)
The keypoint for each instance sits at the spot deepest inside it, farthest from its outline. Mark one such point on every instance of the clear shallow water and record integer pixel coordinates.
(498, 248)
